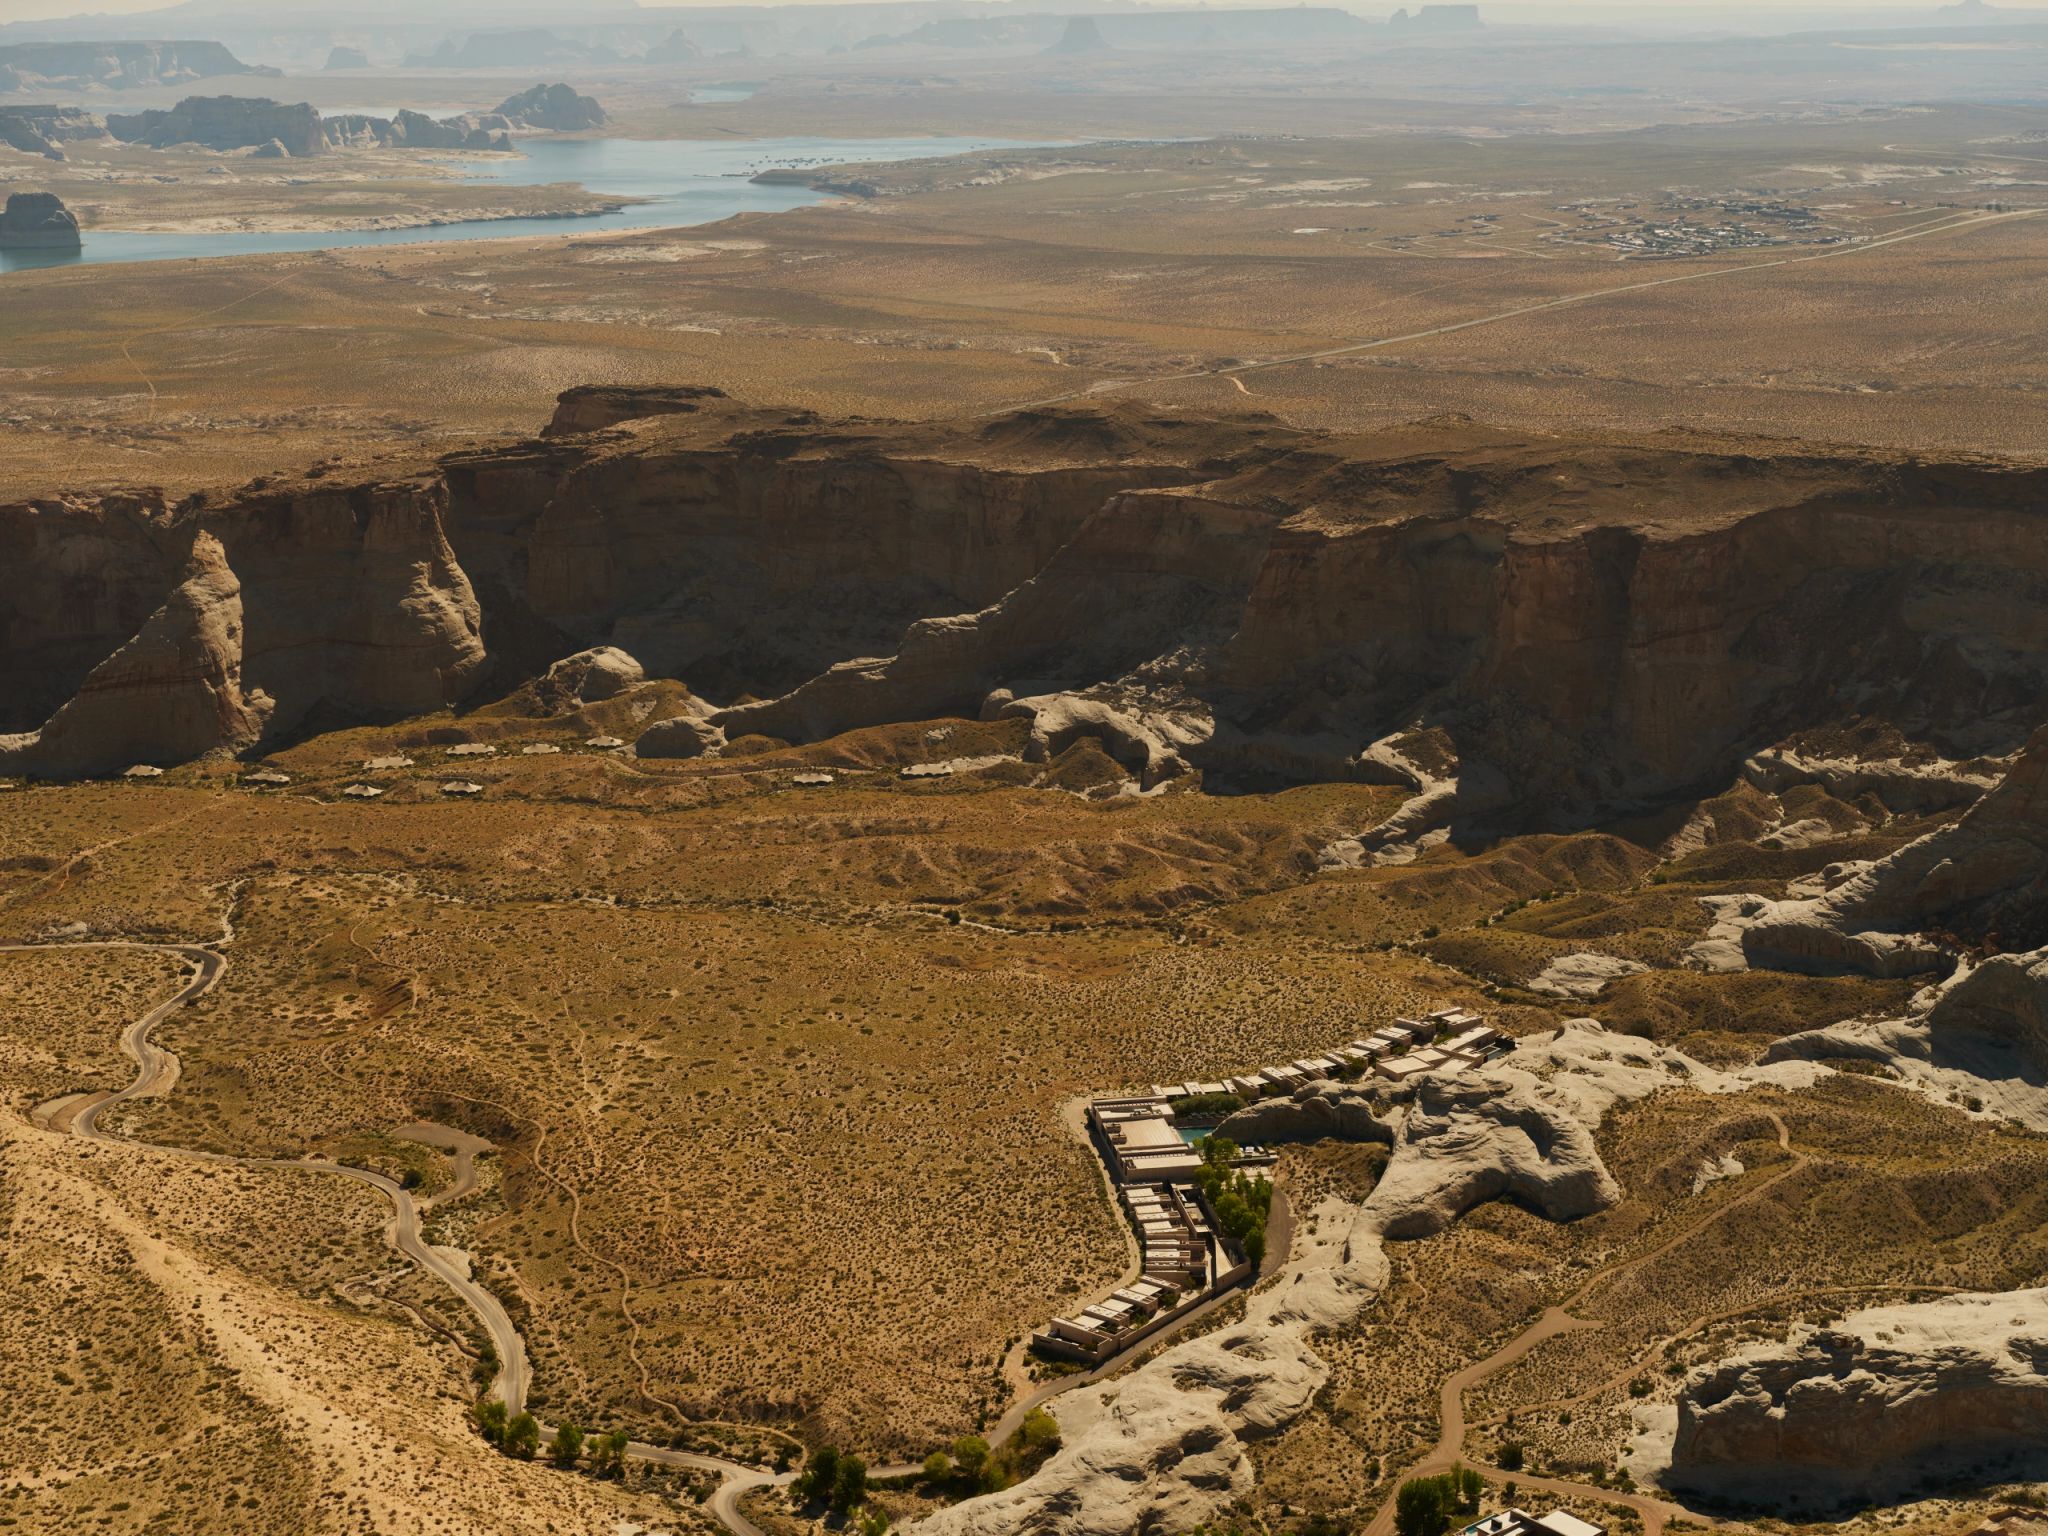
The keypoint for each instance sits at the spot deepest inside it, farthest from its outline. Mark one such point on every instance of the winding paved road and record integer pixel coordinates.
(157, 1073)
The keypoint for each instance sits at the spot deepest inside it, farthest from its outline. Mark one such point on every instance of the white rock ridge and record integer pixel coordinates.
(1866, 1407)
(1163, 1447)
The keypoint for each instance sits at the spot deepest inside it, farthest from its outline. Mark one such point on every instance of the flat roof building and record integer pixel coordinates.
(1519, 1522)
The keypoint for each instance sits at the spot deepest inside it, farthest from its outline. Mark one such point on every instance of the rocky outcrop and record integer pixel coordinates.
(1922, 784)
(342, 57)
(415, 130)
(37, 221)
(224, 122)
(684, 737)
(2003, 1003)
(1473, 1139)
(18, 133)
(592, 407)
(589, 677)
(114, 66)
(1081, 36)
(1313, 1112)
(1985, 877)
(1978, 1042)
(553, 109)
(348, 604)
(466, 130)
(1436, 20)
(175, 691)
(1866, 1407)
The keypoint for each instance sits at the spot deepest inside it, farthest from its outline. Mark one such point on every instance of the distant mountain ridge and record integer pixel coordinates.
(116, 66)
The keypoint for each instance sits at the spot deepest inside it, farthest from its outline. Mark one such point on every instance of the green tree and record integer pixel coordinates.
(819, 1474)
(971, 1452)
(1510, 1456)
(938, 1468)
(1470, 1486)
(566, 1448)
(850, 1485)
(522, 1436)
(1419, 1508)
(608, 1453)
(490, 1419)
(1040, 1432)
(872, 1521)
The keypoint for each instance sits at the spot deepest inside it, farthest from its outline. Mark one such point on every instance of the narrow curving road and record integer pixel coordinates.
(157, 1073)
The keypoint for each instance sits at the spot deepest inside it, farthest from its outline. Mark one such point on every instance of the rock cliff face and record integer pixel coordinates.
(224, 122)
(1526, 633)
(287, 610)
(1866, 1407)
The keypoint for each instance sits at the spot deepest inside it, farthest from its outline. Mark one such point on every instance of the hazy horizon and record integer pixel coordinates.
(1592, 11)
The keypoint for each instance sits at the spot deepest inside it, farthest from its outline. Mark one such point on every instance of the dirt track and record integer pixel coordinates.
(1450, 1443)
(157, 1073)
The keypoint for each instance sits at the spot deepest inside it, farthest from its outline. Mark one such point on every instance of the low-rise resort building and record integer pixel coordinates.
(1147, 1144)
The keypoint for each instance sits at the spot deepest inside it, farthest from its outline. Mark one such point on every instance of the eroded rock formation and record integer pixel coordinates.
(1313, 1112)
(332, 604)
(1866, 1407)
(174, 691)
(1985, 876)
(45, 130)
(1473, 1139)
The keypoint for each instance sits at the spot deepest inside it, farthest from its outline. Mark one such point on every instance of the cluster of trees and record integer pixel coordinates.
(1424, 1505)
(841, 1484)
(518, 1434)
(975, 1467)
(1240, 1201)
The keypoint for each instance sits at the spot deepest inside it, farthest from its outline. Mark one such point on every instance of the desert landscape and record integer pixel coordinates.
(1211, 772)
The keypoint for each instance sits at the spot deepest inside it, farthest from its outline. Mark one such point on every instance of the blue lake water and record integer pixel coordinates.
(686, 181)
